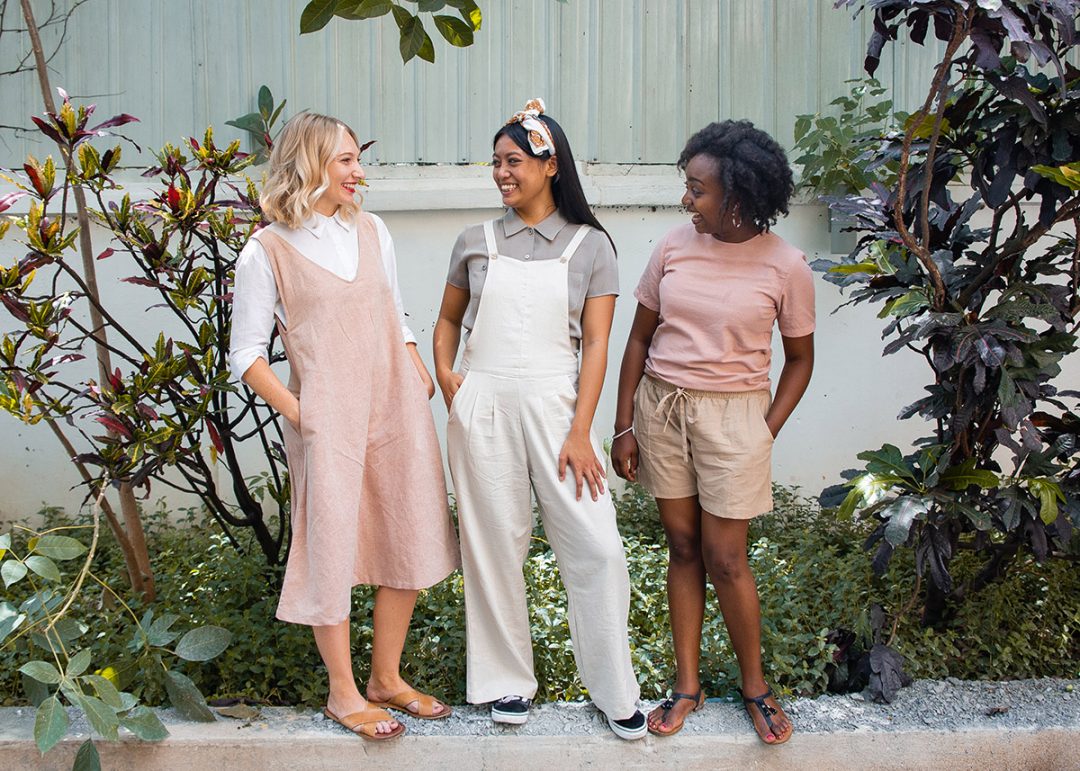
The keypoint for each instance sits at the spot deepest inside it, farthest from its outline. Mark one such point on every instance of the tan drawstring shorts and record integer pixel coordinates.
(715, 445)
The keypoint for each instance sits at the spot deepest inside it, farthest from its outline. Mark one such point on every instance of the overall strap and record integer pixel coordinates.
(575, 242)
(489, 237)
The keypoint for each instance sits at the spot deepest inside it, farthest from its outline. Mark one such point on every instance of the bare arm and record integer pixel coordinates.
(794, 377)
(262, 380)
(421, 370)
(446, 339)
(624, 451)
(577, 451)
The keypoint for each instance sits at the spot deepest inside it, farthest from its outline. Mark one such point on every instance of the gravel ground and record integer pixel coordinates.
(948, 705)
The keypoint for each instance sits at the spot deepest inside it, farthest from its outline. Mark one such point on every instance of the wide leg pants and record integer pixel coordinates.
(504, 437)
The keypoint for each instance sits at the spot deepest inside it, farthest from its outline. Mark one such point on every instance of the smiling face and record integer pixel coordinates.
(523, 179)
(343, 175)
(704, 197)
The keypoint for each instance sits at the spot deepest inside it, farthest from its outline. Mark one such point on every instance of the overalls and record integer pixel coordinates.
(508, 422)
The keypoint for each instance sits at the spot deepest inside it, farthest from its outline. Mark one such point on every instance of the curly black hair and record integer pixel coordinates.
(752, 168)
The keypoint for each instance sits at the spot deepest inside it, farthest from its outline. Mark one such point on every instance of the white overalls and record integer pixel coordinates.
(507, 426)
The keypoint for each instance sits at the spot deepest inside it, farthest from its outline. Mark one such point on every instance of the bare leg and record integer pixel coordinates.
(681, 518)
(345, 698)
(393, 612)
(724, 550)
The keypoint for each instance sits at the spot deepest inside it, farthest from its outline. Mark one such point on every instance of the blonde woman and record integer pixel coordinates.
(368, 492)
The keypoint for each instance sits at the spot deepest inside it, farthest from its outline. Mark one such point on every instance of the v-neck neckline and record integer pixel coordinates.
(316, 265)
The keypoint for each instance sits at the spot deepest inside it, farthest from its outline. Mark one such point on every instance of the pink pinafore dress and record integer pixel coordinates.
(368, 492)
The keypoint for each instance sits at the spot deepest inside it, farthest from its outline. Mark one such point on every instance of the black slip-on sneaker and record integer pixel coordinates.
(513, 710)
(631, 728)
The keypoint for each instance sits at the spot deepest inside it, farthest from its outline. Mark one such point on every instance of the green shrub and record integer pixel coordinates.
(812, 577)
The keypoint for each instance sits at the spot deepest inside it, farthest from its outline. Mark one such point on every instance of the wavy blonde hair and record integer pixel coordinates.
(298, 165)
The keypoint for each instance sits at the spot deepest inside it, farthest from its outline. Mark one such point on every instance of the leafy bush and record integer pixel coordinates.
(839, 153)
(971, 254)
(43, 614)
(812, 576)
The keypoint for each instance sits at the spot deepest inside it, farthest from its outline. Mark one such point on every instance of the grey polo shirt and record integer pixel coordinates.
(592, 272)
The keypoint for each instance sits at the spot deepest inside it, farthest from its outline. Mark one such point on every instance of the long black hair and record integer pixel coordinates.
(566, 185)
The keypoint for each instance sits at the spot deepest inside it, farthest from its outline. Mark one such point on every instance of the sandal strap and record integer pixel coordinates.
(364, 717)
(694, 697)
(425, 703)
(766, 711)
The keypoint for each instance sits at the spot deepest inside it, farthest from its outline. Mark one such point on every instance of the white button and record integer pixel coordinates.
(528, 256)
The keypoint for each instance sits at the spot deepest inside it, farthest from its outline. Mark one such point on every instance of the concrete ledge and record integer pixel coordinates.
(1050, 749)
(1032, 725)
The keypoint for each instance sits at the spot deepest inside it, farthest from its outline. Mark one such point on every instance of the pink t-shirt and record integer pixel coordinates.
(718, 303)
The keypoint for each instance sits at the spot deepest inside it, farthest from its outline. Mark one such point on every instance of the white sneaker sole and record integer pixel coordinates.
(629, 734)
(509, 718)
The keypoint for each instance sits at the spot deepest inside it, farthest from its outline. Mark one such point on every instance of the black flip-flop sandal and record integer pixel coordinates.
(766, 712)
(668, 704)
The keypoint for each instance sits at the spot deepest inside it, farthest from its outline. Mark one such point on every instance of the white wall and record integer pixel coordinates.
(850, 406)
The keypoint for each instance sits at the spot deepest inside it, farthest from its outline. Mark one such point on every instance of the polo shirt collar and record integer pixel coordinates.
(548, 227)
(317, 223)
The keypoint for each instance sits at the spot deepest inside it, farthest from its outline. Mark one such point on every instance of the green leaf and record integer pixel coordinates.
(35, 692)
(50, 724)
(401, 16)
(456, 32)
(906, 304)
(12, 571)
(1067, 175)
(44, 567)
(901, 514)
(887, 460)
(9, 624)
(159, 632)
(870, 268)
(59, 547)
(963, 476)
(106, 691)
(415, 40)
(203, 643)
(430, 6)
(469, 11)
(316, 15)
(802, 125)
(427, 48)
(850, 503)
(78, 663)
(1049, 494)
(102, 717)
(142, 722)
(266, 103)
(42, 671)
(87, 758)
(252, 123)
(354, 10)
(5, 541)
(186, 699)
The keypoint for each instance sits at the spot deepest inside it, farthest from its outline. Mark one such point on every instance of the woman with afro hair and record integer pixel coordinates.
(695, 421)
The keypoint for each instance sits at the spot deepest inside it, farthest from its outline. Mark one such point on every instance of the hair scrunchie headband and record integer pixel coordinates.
(539, 136)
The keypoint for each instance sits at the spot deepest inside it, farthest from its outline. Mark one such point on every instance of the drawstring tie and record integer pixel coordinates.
(676, 403)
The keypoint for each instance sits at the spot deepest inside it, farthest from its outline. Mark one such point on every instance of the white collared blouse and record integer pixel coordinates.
(330, 243)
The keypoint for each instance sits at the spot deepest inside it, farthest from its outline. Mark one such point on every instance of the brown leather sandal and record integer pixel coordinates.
(668, 704)
(425, 705)
(362, 723)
